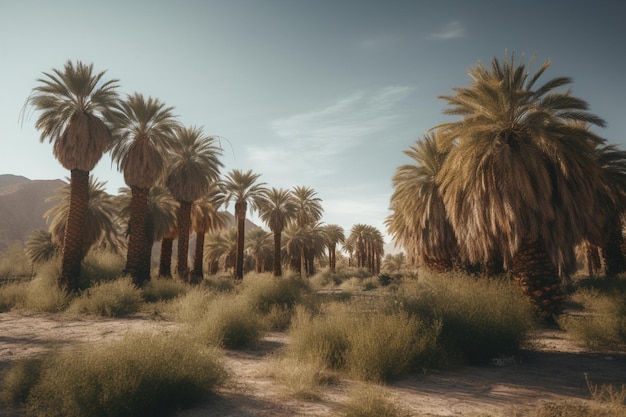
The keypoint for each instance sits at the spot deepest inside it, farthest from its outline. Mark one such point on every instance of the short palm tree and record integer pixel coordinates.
(520, 174)
(205, 217)
(242, 188)
(257, 241)
(277, 209)
(221, 248)
(368, 244)
(101, 224)
(418, 221)
(40, 248)
(333, 234)
(75, 106)
(194, 167)
(145, 131)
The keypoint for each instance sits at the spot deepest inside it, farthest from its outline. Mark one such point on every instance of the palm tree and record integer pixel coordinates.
(394, 262)
(277, 209)
(75, 105)
(333, 234)
(221, 247)
(145, 131)
(161, 220)
(308, 211)
(418, 221)
(257, 242)
(40, 247)
(101, 223)
(242, 187)
(206, 217)
(611, 203)
(519, 174)
(194, 167)
(368, 244)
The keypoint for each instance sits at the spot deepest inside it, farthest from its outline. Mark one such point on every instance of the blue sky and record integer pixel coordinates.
(320, 93)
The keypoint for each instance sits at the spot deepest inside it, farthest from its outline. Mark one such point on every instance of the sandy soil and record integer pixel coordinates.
(551, 368)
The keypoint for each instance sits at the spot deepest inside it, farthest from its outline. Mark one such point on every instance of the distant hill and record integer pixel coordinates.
(22, 205)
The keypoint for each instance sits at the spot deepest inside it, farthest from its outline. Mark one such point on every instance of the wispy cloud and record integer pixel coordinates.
(452, 30)
(316, 143)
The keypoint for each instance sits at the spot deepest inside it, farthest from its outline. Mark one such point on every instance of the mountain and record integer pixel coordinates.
(22, 205)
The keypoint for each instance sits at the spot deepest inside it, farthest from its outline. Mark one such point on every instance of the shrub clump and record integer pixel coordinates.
(138, 375)
(481, 318)
(109, 299)
(603, 322)
(163, 289)
(372, 346)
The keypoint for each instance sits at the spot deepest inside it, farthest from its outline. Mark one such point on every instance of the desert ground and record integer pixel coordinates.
(549, 368)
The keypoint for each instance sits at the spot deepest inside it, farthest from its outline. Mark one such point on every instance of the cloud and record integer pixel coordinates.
(316, 143)
(452, 30)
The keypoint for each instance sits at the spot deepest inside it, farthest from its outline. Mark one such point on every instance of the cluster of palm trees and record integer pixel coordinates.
(515, 184)
(174, 186)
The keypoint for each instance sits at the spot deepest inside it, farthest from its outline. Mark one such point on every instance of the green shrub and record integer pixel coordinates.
(229, 322)
(100, 266)
(603, 322)
(264, 291)
(192, 306)
(163, 289)
(14, 263)
(19, 380)
(138, 375)
(372, 346)
(109, 299)
(43, 293)
(481, 318)
(12, 295)
(220, 284)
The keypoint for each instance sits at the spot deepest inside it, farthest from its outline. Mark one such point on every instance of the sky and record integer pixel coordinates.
(319, 93)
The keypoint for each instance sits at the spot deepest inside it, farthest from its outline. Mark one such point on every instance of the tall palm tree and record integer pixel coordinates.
(244, 190)
(194, 167)
(161, 219)
(75, 107)
(611, 203)
(145, 131)
(418, 221)
(205, 216)
(277, 209)
(520, 173)
(333, 234)
(368, 244)
(308, 211)
(101, 223)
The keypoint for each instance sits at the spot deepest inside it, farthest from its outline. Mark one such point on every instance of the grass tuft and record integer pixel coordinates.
(372, 402)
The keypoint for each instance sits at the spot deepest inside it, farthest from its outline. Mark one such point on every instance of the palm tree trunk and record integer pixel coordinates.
(438, 265)
(198, 260)
(277, 264)
(165, 262)
(184, 225)
(73, 239)
(241, 207)
(533, 271)
(140, 242)
(331, 258)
